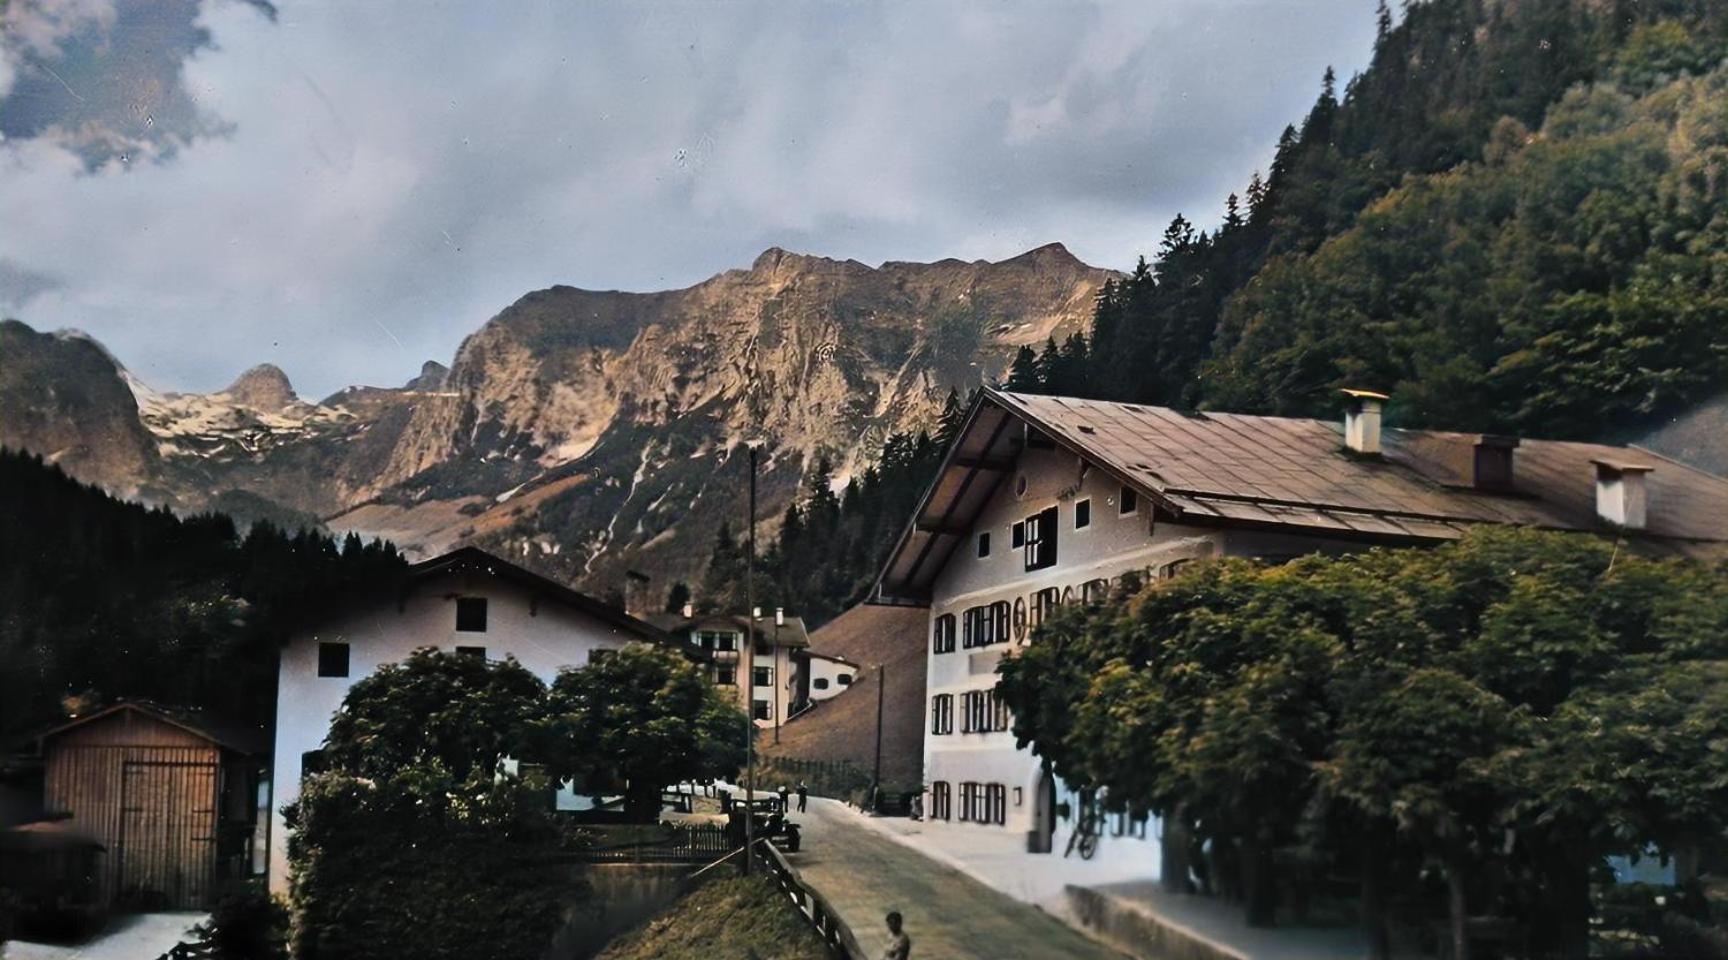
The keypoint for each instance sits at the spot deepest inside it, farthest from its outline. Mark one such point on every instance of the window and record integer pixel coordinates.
(1082, 514)
(1129, 502)
(1017, 534)
(762, 676)
(471, 614)
(1040, 546)
(844, 679)
(764, 649)
(968, 801)
(1044, 604)
(820, 683)
(332, 659)
(479, 652)
(983, 545)
(716, 640)
(941, 801)
(942, 714)
(983, 803)
(1094, 592)
(942, 634)
(983, 712)
(726, 676)
(985, 625)
(761, 711)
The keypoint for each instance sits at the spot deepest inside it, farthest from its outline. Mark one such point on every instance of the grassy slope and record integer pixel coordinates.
(725, 918)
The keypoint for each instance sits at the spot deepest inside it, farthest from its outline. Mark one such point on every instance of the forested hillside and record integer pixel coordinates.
(1514, 220)
(101, 598)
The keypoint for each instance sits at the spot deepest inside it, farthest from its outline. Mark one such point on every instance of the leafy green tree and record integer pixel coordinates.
(637, 721)
(461, 713)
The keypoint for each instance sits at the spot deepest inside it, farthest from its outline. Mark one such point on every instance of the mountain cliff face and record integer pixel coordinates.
(63, 397)
(589, 431)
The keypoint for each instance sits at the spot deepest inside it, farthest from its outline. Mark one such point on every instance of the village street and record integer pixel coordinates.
(864, 874)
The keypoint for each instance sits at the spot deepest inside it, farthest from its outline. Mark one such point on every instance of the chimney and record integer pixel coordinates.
(1493, 469)
(779, 616)
(1362, 421)
(689, 611)
(1620, 495)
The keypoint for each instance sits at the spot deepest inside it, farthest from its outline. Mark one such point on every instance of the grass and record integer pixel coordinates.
(725, 918)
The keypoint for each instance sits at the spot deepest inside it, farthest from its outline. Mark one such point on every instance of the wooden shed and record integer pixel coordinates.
(168, 797)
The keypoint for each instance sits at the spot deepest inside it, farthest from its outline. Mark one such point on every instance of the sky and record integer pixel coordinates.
(348, 189)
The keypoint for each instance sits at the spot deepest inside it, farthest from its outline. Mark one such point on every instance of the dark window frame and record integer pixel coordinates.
(471, 652)
(726, 676)
(1083, 514)
(761, 676)
(471, 614)
(843, 679)
(983, 544)
(942, 634)
(1039, 553)
(1128, 502)
(328, 652)
(941, 801)
(820, 683)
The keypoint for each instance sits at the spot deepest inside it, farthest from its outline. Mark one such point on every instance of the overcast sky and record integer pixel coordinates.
(346, 189)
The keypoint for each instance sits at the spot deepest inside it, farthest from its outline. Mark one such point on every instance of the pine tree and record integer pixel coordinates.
(1023, 372)
(1232, 213)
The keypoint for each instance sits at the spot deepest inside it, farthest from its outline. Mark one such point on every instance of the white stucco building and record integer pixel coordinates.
(1043, 501)
(765, 676)
(467, 601)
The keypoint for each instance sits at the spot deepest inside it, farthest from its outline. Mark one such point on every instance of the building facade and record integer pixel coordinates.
(1047, 501)
(466, 602)
(764, 676)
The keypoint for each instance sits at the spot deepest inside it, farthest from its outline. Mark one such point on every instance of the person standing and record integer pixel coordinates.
(784, 793)
(899, 944)
(803, 797)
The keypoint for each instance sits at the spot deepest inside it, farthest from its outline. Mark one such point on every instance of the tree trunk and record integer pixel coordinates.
(1457, 906)
(1173, 853)
(1262, 890)
(1569, 905)
(1375, 852)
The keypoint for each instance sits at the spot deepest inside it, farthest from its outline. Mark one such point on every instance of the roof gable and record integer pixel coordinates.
(475, 560)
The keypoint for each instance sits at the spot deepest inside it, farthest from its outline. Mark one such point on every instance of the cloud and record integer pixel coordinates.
(387, 178)
(19, 284)
(104, 79)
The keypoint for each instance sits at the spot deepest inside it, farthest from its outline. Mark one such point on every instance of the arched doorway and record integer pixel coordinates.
(1042, 837)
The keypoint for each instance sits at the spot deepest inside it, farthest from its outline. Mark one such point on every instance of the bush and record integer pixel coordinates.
(248, 925)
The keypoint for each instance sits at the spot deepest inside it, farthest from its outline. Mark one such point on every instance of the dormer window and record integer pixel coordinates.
(471, 614)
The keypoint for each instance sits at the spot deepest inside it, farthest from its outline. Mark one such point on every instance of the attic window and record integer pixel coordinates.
(820, 683)
(983, 545)
(471, 614)
(844, 679)
(1082, 514)
(1129, 503)
(332, 659)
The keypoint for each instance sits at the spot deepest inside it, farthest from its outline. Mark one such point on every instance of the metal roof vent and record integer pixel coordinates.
(1621, 498)
(1362, 421)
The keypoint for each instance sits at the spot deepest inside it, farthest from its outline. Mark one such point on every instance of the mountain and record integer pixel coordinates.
(63, 396)
(588, 431)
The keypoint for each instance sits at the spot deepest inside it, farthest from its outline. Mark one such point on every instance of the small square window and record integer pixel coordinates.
(332, 659)
(762, 676)
(1018, 534)
(1130, 501)
(471, 614)
(726, 676)
(1082, 514)
(820, 683)
(761, 711)
(844, 679)
(983, 545)
(479, 652)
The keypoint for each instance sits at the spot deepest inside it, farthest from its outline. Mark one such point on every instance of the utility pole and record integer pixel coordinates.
(748, 680)
(779, 681)
(876, 775)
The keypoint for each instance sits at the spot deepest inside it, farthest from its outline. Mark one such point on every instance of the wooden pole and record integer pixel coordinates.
(748, 680)
(876, 775)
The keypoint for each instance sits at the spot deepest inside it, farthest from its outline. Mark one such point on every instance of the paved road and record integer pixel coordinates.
(864, 874)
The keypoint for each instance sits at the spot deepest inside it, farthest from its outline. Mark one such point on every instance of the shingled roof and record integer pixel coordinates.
(1283, 472)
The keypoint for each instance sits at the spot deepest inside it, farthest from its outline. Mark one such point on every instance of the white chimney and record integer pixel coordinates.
(1620, 495)
(779, 616)
(1362, 421)
(689, 611)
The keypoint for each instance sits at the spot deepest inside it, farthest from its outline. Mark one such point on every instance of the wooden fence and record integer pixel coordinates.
(681, 843)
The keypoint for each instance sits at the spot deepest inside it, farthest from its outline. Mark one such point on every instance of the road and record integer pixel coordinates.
(864, 874)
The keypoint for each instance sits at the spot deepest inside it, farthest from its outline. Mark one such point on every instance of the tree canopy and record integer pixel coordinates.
(1517, 706)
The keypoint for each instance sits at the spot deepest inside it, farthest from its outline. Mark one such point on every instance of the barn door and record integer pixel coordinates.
(167, 855)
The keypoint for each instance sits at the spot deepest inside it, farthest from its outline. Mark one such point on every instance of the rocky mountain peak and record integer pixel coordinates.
(264, 387)
(433, 376)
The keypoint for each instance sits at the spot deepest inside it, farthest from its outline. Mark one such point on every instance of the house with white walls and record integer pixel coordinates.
(466, 602)
(1044, 501)
(764, 675)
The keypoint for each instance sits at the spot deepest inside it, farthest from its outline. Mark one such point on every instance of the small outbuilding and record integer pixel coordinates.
(167, 796)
